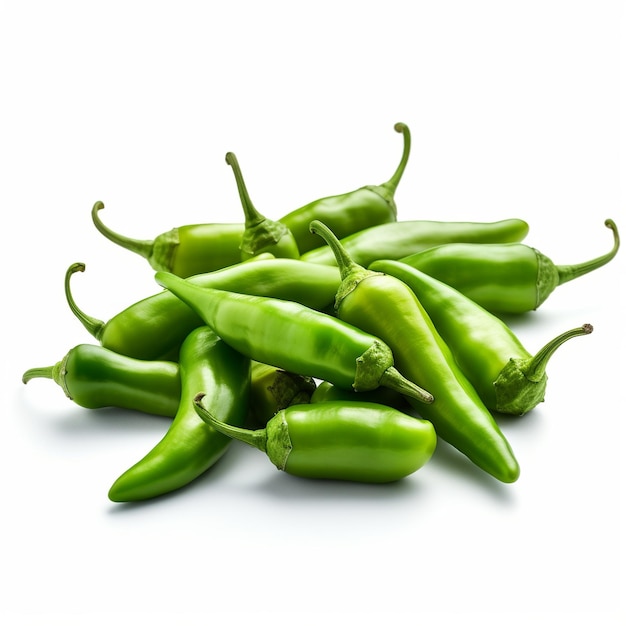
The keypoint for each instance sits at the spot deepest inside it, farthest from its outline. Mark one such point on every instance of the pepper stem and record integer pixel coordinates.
(94, 326)
(255, 438)
(393, 379)
(253, 217)
(570, 272)
(55, 372)
(351, 273)
(38, 372)
(346, 264)
(260, 232)
(535, 367)
(142, 247)
(392, 183)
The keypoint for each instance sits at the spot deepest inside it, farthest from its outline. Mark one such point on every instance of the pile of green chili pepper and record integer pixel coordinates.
(338, 339)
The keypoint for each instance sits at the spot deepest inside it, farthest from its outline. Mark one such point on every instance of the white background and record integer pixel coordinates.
(514, 109)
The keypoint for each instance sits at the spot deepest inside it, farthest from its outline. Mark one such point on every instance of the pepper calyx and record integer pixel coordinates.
(163, 251)
(386, 194)
(262, 235)
(547, 277)
(371, 366)
(288, 389)
(350, 283)
(515, 393)
(278, 443)
(59, 375)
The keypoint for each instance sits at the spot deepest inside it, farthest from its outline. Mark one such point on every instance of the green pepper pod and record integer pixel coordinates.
(354, 441)
(400, 239)
(505, 375)
(261, 234)
(351, 212)
(386, 307)
(503, 278)
(155, 327)
(293, 337)
(185, 250)
(95, 377)
(190, 447)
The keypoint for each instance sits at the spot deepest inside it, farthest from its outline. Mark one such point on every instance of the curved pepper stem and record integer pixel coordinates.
(387, 190)
(39, 372)
(535, 367)
(94, 326)
(570, 272)
(351, 272)
(144, 248)
(260, 232)
(253, 217)
(392, 183)
(54, 372)
(255, 438)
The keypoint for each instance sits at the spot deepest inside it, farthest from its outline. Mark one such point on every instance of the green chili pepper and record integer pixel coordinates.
(355, 441)
(295, 338)
(505, 375)
(503, 278)
(95, 377)
(155, 327)
(386, 307)
(186, 250)
(261, 234)
(400, 239)
(350, 212)
(190, 447)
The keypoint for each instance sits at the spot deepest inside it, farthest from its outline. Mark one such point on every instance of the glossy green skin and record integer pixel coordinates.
(346, 214)
(354, 441)
(502, 278)
(155, 327)
(95, 377)
(386, 307)
(190, 447)
(200, 248)
(481, 343)
(400, 239)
